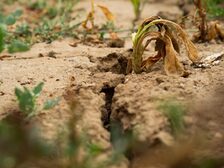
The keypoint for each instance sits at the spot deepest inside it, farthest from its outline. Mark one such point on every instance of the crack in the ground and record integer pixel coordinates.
(106, 111)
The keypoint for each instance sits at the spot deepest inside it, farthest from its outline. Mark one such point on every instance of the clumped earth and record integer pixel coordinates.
(95, 77)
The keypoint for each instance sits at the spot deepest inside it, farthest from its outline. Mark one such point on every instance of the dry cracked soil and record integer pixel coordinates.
(95, 78)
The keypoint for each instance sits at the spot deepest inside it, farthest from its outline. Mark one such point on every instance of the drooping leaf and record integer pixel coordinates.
(167, 35)
(109, 15)
(190, 47)
(90, 16)
(171, 62)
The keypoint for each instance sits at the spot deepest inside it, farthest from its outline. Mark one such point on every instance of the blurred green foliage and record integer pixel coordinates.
(174, 111)
(7, 39)
(215, 8)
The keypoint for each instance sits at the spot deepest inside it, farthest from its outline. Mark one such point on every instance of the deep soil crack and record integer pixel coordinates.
(106, 111)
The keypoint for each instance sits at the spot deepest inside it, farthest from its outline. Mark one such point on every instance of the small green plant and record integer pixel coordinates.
(214, 8)
(28, 100)
(175, 114)
(38, 5)
(17, 134)
(136, 5)
(7, 39)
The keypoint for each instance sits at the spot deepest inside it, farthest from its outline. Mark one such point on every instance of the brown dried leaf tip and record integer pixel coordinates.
(91, 15)
(166, 35)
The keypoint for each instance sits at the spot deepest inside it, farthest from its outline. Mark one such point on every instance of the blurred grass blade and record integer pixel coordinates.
(2, 35)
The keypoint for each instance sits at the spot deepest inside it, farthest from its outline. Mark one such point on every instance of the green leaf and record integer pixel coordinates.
(18, 93)
(38, 89)
(2, 35)
(174, 111)
(51, 103)
(10, 20)
(17, 13)
(17, 46)
(94, 149)
(26, 100)
(2, 18)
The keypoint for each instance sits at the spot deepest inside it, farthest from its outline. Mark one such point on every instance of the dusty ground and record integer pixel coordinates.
(94, 76)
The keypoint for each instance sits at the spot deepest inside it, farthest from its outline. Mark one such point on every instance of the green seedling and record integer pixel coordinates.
(17, 46)
(136, 5)
(49, 104)
(11, 18)
(165, 34)
(7, 39)
(23, 30)
(175, 114)
(28, 100)
(38, 5)
(214, 8)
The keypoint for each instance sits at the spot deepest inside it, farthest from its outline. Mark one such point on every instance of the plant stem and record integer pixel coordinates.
(203, 27)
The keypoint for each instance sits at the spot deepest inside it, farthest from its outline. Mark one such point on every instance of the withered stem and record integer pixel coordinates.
(203, 27)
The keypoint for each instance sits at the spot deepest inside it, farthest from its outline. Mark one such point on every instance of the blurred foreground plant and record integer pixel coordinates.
(23, 144)
(165, 33)
(174, 111)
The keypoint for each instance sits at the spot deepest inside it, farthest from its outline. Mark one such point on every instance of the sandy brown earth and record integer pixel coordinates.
(95, 78)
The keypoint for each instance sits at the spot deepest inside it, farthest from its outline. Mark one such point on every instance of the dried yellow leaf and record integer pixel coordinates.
(212, 32)
(220, 31)
(167, 35)
(109, 15)
(172, 66)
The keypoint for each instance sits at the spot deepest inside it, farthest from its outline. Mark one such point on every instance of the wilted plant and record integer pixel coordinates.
(165, 33)
(91, 15)
(207, 30)
(100, 31)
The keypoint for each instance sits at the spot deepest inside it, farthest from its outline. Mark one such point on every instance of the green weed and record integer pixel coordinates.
(136, 5)
(28, 100)
(17, 134)
(214, 9)
(7, 39)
